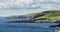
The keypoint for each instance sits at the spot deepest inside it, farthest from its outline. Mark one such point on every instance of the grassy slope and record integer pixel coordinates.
(53, 15)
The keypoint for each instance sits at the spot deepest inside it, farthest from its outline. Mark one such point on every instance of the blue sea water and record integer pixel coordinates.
(25, 27)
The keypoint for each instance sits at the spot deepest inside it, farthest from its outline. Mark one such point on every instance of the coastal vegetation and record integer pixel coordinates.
(52, 15)
(45, 16)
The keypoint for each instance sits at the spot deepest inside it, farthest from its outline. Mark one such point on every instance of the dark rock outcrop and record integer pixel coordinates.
(21, 21)
(57, 21)
(55, 25)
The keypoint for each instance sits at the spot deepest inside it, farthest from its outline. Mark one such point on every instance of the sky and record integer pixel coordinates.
(21, 7)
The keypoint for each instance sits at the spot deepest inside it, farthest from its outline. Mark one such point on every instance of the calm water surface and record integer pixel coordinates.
(26, 27)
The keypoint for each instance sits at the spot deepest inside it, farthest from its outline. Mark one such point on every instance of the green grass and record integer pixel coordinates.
(53, 15)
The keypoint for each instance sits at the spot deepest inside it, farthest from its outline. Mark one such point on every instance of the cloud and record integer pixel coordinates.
(29, 4)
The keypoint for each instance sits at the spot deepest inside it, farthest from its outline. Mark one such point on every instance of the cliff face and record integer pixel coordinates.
(23, 20)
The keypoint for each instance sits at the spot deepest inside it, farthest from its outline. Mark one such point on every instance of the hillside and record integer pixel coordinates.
(45, 16)
(53, 15)
(35, 15)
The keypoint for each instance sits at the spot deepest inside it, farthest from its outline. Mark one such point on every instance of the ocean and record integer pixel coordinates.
(25, 27)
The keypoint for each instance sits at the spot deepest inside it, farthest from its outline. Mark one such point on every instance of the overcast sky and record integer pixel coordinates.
(19, 7)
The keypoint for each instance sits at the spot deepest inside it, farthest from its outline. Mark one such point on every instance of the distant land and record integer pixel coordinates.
(51, 16)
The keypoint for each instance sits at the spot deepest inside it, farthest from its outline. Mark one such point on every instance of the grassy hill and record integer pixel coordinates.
(52, 15)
